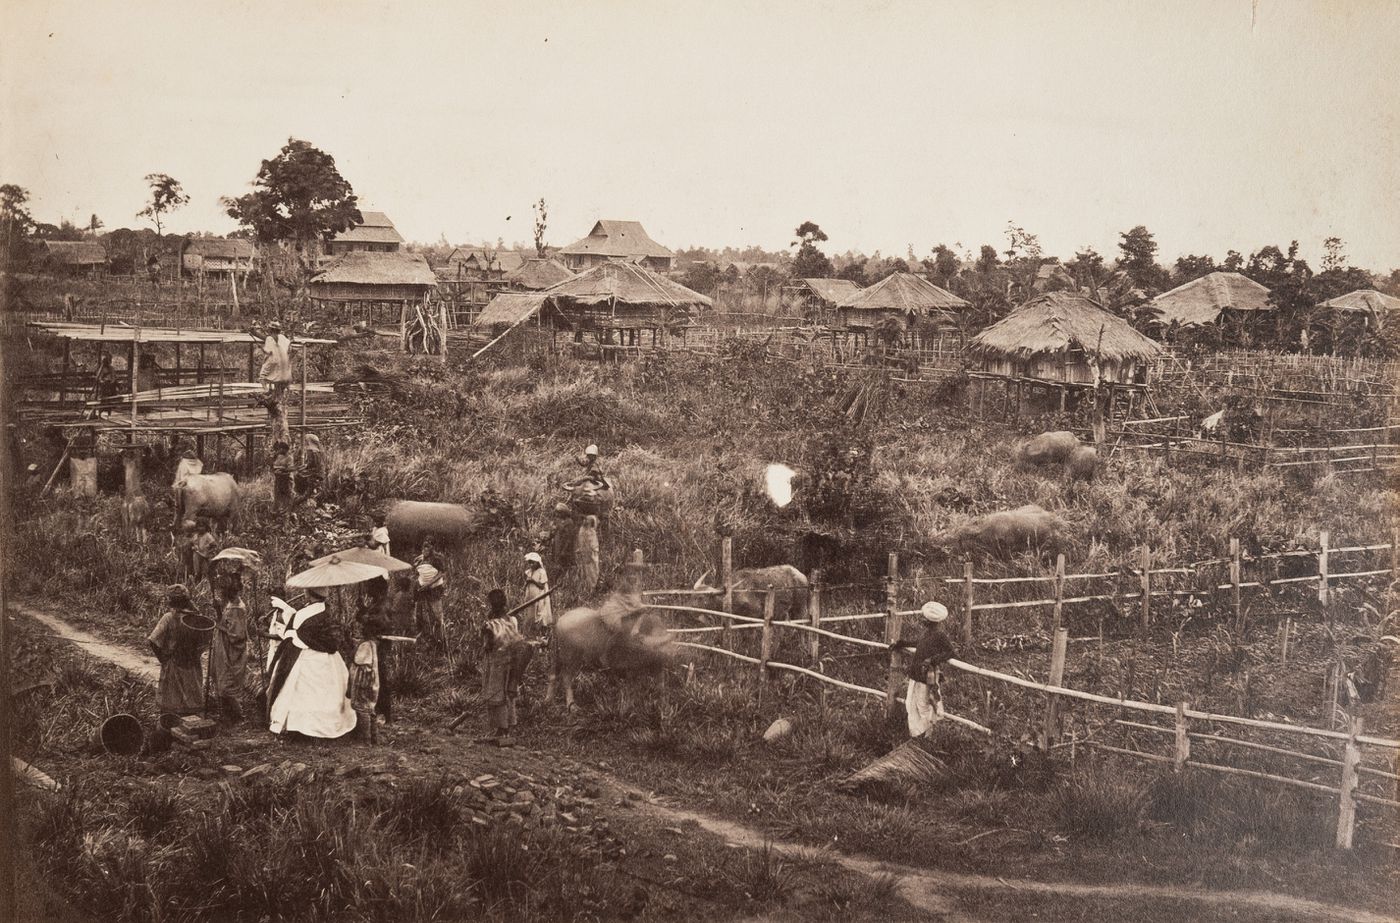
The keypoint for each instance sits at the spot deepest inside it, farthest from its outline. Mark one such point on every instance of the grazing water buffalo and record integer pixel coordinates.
(1003, 534)
(1046, 449)
(216, 496)
(584, 639)
(751, 585)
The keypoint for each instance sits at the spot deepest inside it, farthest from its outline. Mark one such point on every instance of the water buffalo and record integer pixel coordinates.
(136, 516)
(216, 496)
(751, 585)
(411, 521)
(1046, 449)
(583, 640)
(1002, 534)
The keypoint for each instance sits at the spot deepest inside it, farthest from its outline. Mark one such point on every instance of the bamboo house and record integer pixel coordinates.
(1060, 343)
(901, 297)
(365, 283)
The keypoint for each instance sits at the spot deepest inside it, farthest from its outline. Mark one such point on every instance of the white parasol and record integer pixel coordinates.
(368, 556)
(335, 572)
(245, 557)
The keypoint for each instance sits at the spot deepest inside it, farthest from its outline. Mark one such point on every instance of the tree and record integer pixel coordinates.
(1191, 266)
(541, 222)
(94, 224)
(1023, 257)
(1138, 257)
(166, 196)
(15, 220)
(1234, 261)
(854, 271)
(987, 259)
(298, 197)
(810, 262)
(702, 277)
(1333, 254)
(945, 264)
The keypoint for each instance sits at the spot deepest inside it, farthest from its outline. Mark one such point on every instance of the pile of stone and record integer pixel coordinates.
(511, 797)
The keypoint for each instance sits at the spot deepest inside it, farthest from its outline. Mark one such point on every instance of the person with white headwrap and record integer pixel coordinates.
(541, 613)
(923, 700)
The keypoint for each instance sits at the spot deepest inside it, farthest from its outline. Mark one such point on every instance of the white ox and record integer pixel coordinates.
(751, 584)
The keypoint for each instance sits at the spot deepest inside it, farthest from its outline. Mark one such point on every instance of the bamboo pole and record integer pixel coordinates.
(894, 630)
(1182, 752)
(814, 614)
(1145, 581)
(1059, 595)
(1235, 602)
(765, 650)
(1051, 731)
(968, 604)
(1324, 592)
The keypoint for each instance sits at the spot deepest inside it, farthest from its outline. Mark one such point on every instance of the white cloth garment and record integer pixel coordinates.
(537, 585)
(277, 367)
(923, 708)
(313, 700)
(282, 615)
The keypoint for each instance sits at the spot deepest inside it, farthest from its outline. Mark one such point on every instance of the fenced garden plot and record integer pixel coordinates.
(864, 653)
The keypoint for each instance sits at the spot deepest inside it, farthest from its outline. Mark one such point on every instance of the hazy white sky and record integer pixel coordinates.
(1217, 123)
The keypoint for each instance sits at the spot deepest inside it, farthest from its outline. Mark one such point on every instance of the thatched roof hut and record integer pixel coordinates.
(538, 273)
(612, 240)
(375, 233)
(623, 295)
(75, 255)
(1064, 337)
(509, 308)
(217, 255)
(1202, 301)
(901, 295)
(370, 276)
(1363, 301)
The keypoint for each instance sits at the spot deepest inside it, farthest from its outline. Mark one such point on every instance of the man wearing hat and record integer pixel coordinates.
(923, 700)
(178, 647)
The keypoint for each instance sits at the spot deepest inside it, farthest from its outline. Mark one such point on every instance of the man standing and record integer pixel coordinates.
(923, 700)
(275, 374)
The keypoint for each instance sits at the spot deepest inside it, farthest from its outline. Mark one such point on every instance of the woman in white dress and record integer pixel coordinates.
(307, 691)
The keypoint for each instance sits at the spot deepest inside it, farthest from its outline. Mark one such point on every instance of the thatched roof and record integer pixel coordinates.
(626, 239)
(374, 228)
(481, 259)
(906, 292)
(227, 248)
(1200, 301)
(1365, 300)
(76, 252)
(624, 284)
(539, 273)
(1057, 321)
(509, 308)
(832, 290)
(367, 268)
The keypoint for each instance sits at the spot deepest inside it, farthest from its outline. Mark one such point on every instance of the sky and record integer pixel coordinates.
(1218, 124)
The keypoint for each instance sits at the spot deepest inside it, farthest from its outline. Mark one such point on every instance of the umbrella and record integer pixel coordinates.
(245, 557)
(335, 572)
(364, 555)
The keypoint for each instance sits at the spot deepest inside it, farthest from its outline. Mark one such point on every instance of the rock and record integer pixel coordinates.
(779, 729)
(256, 771)
(232, 770)
(525, 797)
(670, 857)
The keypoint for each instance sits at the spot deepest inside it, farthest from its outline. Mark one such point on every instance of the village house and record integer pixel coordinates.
(900, 297)
(374, 234)
(613, 241)
(75, 257)
(1210, 299)
(217, 256)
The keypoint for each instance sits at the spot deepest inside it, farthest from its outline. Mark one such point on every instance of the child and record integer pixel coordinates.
(179, 650)
(184, 549)
(364, 676)
(205, 547)
(506, 655)
(281, 475)
(541, 614)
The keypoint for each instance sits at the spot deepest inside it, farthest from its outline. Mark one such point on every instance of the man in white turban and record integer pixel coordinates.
(923, 700)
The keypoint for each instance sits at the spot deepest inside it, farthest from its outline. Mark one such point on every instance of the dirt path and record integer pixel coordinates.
(925, 889)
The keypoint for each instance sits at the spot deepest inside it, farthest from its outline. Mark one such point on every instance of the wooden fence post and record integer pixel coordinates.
(894, 633)
(1285, 630)
(1144, 587)
(1324, 591)
(967, 602)
(1235, 588)
(726, 583)
(1057, 678)
(1059, 595)
(1395, 551)
(765, 649)
(814, 615)
(1346, 808)
(1182, 752)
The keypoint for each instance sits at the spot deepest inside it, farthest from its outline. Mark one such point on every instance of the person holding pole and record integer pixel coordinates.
(923, 700)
